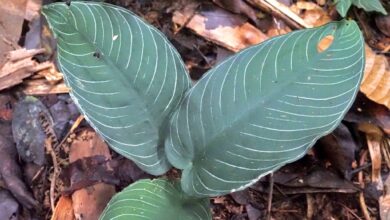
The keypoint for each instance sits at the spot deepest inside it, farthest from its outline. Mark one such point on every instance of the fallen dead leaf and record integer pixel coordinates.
(253, 213)
(322, 178)
(234, 33)
(8, 206)
(11, 174)
(338, 148)
(28, 132)
(311, 13)
(376, 79)
(88, 171)
(364, 110)
(278, 27)
(241, 197)
(386, 151)
(238, 7)
(12, 18)
(306, 5)
(64, 209)
(33, 9)
(374, 147)
(374, 138)
(89, 202)
(383, 24)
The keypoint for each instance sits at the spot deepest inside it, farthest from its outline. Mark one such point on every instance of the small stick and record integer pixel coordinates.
(23, 54)
(49, 149)
(37, 174)
(350, 211)
(71, 130)
(282, 11)
(271, 191)
(280, 190)
(362, 203)
(310, 209)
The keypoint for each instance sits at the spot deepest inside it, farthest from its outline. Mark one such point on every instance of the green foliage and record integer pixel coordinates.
(124, 75)
(248, 116)
(155, 199)
(264, 107)
(343, 6)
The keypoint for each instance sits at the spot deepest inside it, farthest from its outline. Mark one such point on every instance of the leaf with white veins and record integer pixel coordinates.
(124, 76)
(264, 107)
(155, 199)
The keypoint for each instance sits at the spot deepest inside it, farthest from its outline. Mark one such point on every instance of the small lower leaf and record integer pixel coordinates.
(157, 199)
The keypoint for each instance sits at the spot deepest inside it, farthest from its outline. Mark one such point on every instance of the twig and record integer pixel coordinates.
(285, 210)
(71, 130)
(350, 211)
(280, 190)
(56, 170)
(310, 209)
(49, 149)
(360, 168)
(37, 174)
(281, 11)
(271, 191)
(386, 149)
(362, 203)
(23, 54)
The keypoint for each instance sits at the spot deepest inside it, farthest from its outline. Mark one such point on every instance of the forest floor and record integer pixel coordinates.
(54, 166)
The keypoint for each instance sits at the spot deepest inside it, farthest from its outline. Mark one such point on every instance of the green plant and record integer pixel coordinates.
(156, 199)
(248, 116)
(342, 6)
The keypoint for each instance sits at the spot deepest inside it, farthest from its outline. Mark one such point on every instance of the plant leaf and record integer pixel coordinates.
(376, 79)
(264, 107)
(342, 6)
(124, 76)
(370, 5)
(155, 199)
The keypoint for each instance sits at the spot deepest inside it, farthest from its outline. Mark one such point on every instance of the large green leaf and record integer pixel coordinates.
(264, 107)
(155, 200)
(124, 76)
